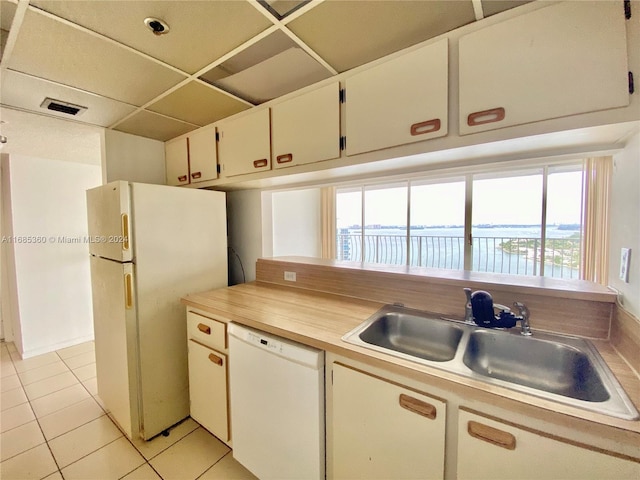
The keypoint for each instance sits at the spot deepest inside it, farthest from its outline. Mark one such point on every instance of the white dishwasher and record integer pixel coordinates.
(277, 405)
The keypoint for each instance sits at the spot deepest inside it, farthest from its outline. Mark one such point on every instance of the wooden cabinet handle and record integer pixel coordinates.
(196, 175)
(418, 406)
(425, 127)
(206, 329)
(486, 116)
(285, 158)
(182, 178)
(260, 163)
(491, 435)
(215, 359)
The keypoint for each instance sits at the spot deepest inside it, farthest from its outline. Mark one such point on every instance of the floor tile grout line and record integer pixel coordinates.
(54, 391)
(216, 463)
(148, 460)
(55, 461)
(90, 453)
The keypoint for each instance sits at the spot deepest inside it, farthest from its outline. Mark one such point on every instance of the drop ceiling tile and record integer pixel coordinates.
(282, 8)
(350, 33)
(491, 7)
(27, 93)
(270, 68)
(7, 11)
(55, 51)
(198, 103)
(151, 125)
(200, 31)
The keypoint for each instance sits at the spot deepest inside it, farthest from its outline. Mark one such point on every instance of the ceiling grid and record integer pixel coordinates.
(220, 57)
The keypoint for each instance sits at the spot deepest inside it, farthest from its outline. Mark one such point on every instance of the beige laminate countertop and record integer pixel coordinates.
(321, 319)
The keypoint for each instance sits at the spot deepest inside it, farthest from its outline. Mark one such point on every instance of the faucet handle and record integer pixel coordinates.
(467, 292)
(524, 318)
(522, 309)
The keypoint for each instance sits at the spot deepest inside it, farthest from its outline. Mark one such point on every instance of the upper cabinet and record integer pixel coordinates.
(203, 159)
(245, 143)
(176, 156)
(306, 128)
(400, 101)
(560, 60)
(192, 159)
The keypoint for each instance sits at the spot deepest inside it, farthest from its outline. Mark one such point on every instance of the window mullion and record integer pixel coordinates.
(362, 197)
(408, 262)
(543, 226)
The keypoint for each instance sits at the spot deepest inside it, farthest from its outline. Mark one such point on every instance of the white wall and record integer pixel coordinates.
(296, 223)
(133, 158)
(625, 223)
(245, 230)
(52, 277)
(47, 137)
(39, 136)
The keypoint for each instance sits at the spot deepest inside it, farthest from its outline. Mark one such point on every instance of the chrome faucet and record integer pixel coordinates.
(523, 318)
(468, 311)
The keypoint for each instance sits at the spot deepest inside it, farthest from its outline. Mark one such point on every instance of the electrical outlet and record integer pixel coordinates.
(290, 276)
(625, 259)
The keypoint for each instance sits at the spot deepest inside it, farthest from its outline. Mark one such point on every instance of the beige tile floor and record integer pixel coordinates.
(52, 426)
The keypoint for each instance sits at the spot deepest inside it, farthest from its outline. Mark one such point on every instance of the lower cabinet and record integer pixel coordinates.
(208, 371)
(384, 430)
(381, 425)
(208, 389)
(490, 449)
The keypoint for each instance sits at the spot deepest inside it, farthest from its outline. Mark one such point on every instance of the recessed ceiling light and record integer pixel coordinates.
(157, 26)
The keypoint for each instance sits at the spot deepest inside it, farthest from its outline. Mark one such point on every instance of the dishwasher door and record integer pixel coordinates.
(277, 405)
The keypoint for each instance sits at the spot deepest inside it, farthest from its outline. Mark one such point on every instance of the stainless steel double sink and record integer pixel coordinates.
(565, 369)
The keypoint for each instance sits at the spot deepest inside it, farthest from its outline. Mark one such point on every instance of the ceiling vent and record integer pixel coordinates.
(62, 107)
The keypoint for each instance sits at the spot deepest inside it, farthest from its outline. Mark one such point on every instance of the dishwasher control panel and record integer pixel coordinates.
(267, 343)
(283, 347)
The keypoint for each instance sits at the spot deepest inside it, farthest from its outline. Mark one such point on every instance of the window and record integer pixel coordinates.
(507, 222)
(437, 224)
(527, 221)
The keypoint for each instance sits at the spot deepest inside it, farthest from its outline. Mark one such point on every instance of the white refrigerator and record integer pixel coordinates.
(150, 245)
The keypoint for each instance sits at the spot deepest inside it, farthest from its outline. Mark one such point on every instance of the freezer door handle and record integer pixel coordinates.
(125, 231)
(128, 291)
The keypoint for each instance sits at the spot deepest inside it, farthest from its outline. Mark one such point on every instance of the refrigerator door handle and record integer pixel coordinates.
(128, 291)
(125, 231)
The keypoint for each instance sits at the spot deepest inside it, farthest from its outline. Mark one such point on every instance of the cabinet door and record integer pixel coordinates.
(208, 389)
(245, 144)
(400, 101)
(176, 155)
(203, 159)
(488, 449)
(560, 60)
(383, 430)
(306, 129)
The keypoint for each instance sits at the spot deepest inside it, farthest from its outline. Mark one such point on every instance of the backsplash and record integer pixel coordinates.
(570, 311)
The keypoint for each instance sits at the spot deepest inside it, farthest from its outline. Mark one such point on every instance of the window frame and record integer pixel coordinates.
(505, 169)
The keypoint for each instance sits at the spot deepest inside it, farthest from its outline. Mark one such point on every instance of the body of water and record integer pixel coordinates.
(444, 248)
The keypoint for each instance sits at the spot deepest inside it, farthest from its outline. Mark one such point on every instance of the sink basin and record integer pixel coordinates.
(561, 368)
(416, 335)
(541, 364)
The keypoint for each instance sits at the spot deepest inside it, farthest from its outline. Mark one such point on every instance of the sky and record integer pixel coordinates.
(498, 201)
